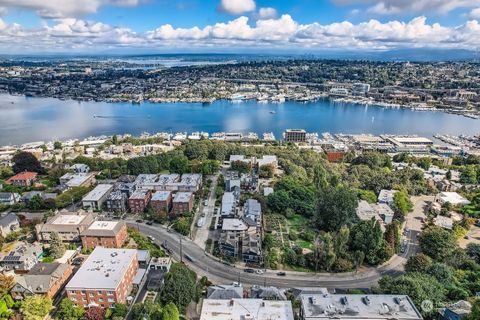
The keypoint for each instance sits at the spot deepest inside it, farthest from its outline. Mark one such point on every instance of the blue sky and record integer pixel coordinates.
(169, 25)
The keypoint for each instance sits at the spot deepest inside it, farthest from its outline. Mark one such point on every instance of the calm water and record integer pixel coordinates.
(36, 119)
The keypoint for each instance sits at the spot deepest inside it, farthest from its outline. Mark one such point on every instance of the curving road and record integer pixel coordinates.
(217, 272)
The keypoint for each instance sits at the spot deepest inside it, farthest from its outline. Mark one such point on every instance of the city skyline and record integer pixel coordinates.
(95, 26)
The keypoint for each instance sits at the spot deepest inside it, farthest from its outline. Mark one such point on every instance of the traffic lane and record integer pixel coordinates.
(206, 266)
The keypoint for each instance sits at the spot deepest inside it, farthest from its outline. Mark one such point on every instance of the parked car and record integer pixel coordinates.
(78, 261)
(151, 238)
(139, 221)
(149, 223)
(258, 271)
(281, 273)
(249, 270)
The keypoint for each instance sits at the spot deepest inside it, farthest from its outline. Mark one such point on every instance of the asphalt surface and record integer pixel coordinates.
(217, 272)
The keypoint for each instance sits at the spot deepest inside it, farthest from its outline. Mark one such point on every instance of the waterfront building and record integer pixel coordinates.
(104, 279)
(95, 198)
(295, 135)
(108, 234)
(360, 89)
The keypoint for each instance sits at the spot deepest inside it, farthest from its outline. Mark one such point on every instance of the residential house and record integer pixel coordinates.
(8, 223)
(23, 257)
(252, 249)
(80, 168)
(451, 197)
(23, 179)
(225, 292)
(73, 180)
(9, 198)
(116, 202)
(46, 279)
(229, 204)
(386, 196)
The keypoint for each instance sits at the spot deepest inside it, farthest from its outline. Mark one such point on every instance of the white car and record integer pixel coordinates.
(258, 271)
(151, 238)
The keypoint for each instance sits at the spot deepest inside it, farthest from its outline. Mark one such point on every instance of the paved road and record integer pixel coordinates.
(200, 234)
(217, 272)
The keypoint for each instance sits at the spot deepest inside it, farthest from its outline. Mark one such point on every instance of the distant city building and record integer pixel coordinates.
(68, 225)
(104, 279)
(357, 307)
(247, 309)
(182, 203)
(295, 135)
(23, 179)
(95, 198)
(108, 234)
(46, 279)
(360, 89)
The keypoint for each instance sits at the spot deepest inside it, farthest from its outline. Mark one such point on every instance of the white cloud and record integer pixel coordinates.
(64, 8)
(411, 6)
(70, 34)
(475, 13)
(267, 13)
(236, 7)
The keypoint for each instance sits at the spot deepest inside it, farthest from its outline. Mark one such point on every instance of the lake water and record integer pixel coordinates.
(43, 119)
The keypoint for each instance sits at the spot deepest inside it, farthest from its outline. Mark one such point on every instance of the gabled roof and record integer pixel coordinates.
(42, 276)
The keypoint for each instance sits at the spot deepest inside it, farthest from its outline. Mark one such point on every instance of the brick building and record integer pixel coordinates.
(104, 279)
(139, 200)
(161, 202)
(109, 234)
(182, 203)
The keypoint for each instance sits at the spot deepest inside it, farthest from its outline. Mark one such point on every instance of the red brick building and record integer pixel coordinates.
(23, 179)
(183, 203)
(108, 234)
(161, 202)
(139, 200)
(104, 279)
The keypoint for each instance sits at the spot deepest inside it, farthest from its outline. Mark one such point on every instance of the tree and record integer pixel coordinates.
(392, 236)
(367, 195)
(179, 286)
(115, 139)
(95, 313)
(468, 175)
(473, 251)
(289, 257)
(57, 145)
(35, 307)
(441, 272)
(418, 263)
(418, 286)
(120, 310)
(437, 243)
(336, 206)
(266, 171)
(5, 172)
(358, 257)
(25, 161)
(57, 248)
(36, 203)
(341, 240)
(240, 166)
(475, 313)
(170, 312)
(6, 283)
(68, 311)
(367, 236)
(402, 202)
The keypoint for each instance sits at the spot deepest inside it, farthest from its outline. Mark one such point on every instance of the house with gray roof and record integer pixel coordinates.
(222, 292)
(23, 257)
(8, 223)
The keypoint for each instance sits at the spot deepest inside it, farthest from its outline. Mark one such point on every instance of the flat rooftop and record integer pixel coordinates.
(258, 309)
(182, 197)
(103, 225)
(234, 224)
(161, 196)
(98, 192)
(68, 219)
(372, 307)
(103, 269)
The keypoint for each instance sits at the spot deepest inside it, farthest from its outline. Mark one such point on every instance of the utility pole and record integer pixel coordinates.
(181, 250)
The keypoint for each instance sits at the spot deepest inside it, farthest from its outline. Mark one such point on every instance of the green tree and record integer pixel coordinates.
(266, 171)
(402, 202)
(25, 161)
(341, 240)
(468, 175)
(441, 272)
(418, 263)
(114, 139)
(367, 195)
(392, 236)
(120, 310)
(35, 307)
(57, 248)
(170, 312)
(5, 172)
(182, 225)
(240, 166)
(57, 145)
(179, 286)
(473, 251)
(36, 203)
(68, 311)
(336, 206)
(367, 237)
(475, 313)
(437, 243)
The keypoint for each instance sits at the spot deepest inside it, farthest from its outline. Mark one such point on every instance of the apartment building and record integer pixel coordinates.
(182, 203)
(108, 234)
(139, 200)
(161, 202)
(68, 225)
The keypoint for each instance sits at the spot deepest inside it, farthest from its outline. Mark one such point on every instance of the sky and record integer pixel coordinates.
(283, 26)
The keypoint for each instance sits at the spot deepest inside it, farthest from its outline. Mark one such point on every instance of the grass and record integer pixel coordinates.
(304, 244)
